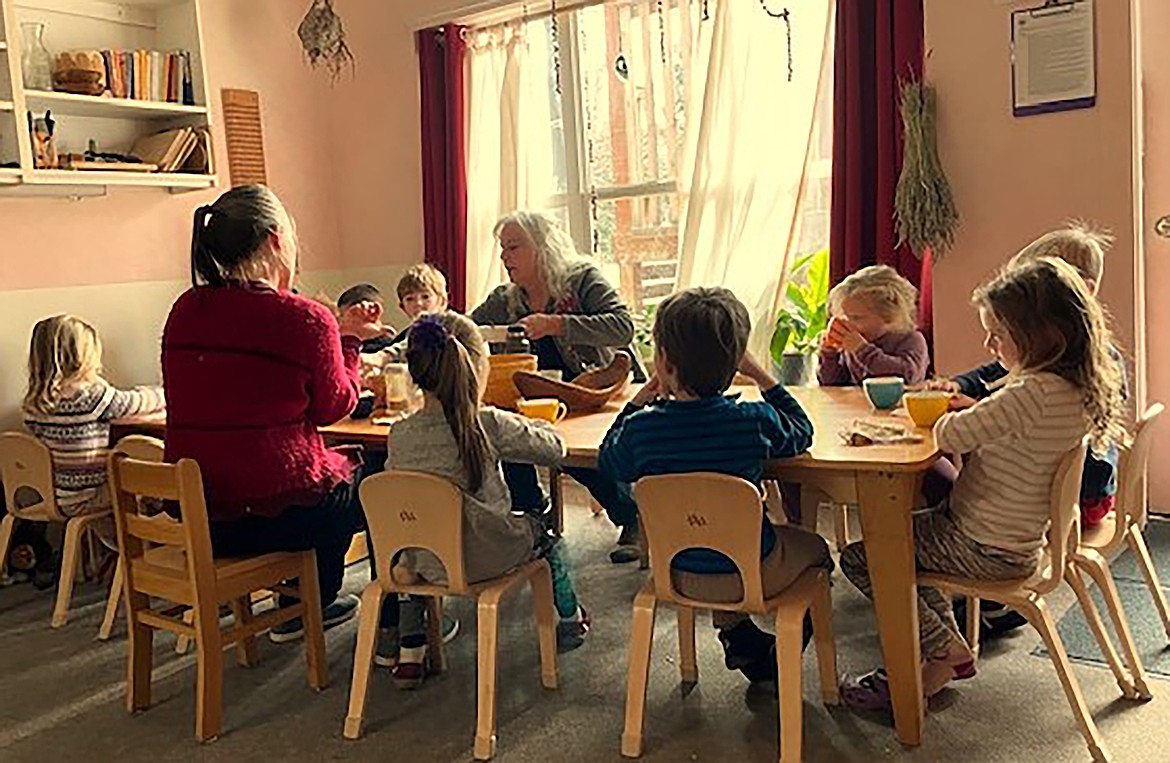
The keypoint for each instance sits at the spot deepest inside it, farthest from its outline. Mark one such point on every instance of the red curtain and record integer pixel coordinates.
(878, 42)
(441, 54)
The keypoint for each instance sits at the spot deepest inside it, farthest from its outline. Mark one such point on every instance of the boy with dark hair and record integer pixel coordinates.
(700, 338)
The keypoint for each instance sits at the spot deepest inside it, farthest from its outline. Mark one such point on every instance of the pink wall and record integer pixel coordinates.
(144, 235)
(1014, 179)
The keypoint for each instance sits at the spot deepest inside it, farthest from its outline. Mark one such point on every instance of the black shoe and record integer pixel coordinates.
(343, 609)
(749, 650)
(629, 545)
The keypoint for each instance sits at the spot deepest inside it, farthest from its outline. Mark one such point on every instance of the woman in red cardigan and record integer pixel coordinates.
(250, 371)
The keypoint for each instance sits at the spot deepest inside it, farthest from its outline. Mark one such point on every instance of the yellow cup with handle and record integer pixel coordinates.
(544, 408)
(926, 406)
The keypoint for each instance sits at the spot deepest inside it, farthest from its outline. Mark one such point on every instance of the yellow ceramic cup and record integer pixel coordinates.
(926, 406)
(545, 408)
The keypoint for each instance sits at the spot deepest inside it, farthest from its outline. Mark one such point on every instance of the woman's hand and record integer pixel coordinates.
(363, 320)
(540, 325)
(751, 368)
(651, 391)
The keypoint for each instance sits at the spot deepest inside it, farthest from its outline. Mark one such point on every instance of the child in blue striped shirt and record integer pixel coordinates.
(682, 421)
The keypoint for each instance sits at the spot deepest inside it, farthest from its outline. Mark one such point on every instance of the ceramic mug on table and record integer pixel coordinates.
(927, 406)
(545, 408)
(884, 392)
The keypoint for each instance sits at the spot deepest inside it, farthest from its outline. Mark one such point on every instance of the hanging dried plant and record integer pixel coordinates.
(323, 38)
(924, 208)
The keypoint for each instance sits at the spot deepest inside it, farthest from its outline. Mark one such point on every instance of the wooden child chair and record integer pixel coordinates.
(178, 568)
(410, 510)
(26, 469)
(677, 515)
(1027, 596)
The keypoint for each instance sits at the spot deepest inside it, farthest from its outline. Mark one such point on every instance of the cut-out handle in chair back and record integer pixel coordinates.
(680, 512)
(140, 447)
(1064, 531)
(1131, 469)
(411, 510)
(26, 462)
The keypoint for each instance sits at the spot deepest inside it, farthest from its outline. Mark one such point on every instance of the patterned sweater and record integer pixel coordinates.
(77, 432)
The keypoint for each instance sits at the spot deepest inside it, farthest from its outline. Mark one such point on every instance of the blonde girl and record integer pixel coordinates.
(1044, 325)
(457, 438)
(69, 406)
(873, 331)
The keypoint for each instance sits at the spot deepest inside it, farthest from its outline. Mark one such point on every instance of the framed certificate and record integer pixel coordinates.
(1054, 58)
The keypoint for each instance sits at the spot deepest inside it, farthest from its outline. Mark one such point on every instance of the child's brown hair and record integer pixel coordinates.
(1080, 244)
(422, 278)
(703, 332)
(1060, 328)
(64, 352)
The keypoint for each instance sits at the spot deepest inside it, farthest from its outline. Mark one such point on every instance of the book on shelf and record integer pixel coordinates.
(150, 75)
(185, 148)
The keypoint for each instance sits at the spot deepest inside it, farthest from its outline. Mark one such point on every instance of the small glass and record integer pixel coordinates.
(399, 386)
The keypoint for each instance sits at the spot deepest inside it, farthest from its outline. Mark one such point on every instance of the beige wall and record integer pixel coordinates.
(1014, 179)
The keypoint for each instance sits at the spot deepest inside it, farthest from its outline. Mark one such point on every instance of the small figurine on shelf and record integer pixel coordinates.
(44, 144)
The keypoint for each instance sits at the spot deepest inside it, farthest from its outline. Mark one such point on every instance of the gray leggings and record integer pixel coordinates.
(941, 547)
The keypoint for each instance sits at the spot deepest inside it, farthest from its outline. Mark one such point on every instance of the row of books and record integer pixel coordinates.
(150, 75)
(185, 149)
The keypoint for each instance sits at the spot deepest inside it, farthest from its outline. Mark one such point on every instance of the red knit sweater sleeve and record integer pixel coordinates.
(335, 379)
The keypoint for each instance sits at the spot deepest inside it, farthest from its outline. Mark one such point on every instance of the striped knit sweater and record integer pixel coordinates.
(77, 432)
(1012, 444)
(712, 434)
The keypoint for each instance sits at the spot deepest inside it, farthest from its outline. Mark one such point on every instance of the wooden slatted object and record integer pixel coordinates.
(245, 137)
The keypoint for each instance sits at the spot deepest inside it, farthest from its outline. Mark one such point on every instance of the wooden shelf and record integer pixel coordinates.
(118, 108)
(173, 180)
(6, 106)
(9, 175)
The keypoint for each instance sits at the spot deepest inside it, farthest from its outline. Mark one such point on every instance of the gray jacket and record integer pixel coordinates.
(597, 322)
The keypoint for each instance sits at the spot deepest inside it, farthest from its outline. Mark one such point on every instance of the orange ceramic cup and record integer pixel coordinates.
(545, 408)
(926, 406)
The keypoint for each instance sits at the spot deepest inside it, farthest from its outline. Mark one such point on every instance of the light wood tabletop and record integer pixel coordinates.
(883, 480)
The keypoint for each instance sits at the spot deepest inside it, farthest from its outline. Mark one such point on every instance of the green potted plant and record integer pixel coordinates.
(801, 324)
(644, 333)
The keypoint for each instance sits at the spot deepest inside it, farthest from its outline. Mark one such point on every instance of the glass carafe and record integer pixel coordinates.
(35, 59)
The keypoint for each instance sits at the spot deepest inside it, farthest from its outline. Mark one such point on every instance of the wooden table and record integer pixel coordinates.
(883, 480)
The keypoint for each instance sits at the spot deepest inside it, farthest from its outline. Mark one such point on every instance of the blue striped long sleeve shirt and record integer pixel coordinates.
(713, 434)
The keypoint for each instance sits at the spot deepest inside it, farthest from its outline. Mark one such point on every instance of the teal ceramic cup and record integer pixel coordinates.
(884, 392)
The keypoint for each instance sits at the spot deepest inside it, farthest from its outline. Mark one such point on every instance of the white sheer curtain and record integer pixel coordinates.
(747, 148)
(509, 151)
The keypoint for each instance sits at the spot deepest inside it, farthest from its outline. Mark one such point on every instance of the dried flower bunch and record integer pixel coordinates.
(323, 38)
(924, 208)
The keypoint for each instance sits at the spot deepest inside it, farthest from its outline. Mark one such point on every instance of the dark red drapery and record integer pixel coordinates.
(441, 54)
(878, 42)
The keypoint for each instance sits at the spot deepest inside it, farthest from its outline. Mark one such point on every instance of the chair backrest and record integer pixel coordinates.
(26, 462)
(1064, 531)
(412, 510)
(702, 510)
(142, 448)
(132, 480)
(1131, 470)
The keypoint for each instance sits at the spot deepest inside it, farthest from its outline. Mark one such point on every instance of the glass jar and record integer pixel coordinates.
(399, 386)
(517, 342)
(35, 59)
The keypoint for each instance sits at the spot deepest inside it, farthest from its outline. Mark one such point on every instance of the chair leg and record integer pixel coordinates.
(789, 621)
(141, 653)
(1037, 613)
(112, 602)
(546, 624)
(1137, 543)
(209, 667)
(641, 643)
(826, 646)
(436, 655)
(841, 524)
(687, 662)
(310, 593)
(6, 526)
(183, 643)
(1124, 680)
(69, 558)
(974, 623)
(363, 659)
(246, 656)
(485, 728)
(1098, 569)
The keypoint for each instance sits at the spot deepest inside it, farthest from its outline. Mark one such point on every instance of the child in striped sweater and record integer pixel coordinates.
(1049, 332)
(69, 407)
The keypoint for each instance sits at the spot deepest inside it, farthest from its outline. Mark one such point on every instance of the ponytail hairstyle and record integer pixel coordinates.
(444, 353)
(1061, 328)
(65, 353)
(230, 233)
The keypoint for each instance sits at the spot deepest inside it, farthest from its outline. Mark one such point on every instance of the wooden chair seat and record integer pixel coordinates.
(410, 510)
(1100, 536)
(673, 511)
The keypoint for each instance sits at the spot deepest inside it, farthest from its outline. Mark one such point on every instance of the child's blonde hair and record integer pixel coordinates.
(65, 352)
(1080, 244)
(422, 278)
(444, 353)
(1059, 327)
(890, 295)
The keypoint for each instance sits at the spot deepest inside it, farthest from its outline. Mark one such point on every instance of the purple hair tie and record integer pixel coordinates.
(429, 333)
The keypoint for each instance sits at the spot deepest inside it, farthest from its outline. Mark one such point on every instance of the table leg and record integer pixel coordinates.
(886, 501)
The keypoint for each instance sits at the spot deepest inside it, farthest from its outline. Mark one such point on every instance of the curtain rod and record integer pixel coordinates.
(537, 9)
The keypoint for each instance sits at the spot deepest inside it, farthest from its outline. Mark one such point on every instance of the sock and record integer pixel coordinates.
(412, 654)
(576, 617)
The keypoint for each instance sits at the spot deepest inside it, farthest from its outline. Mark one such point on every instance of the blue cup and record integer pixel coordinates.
(884, 392)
